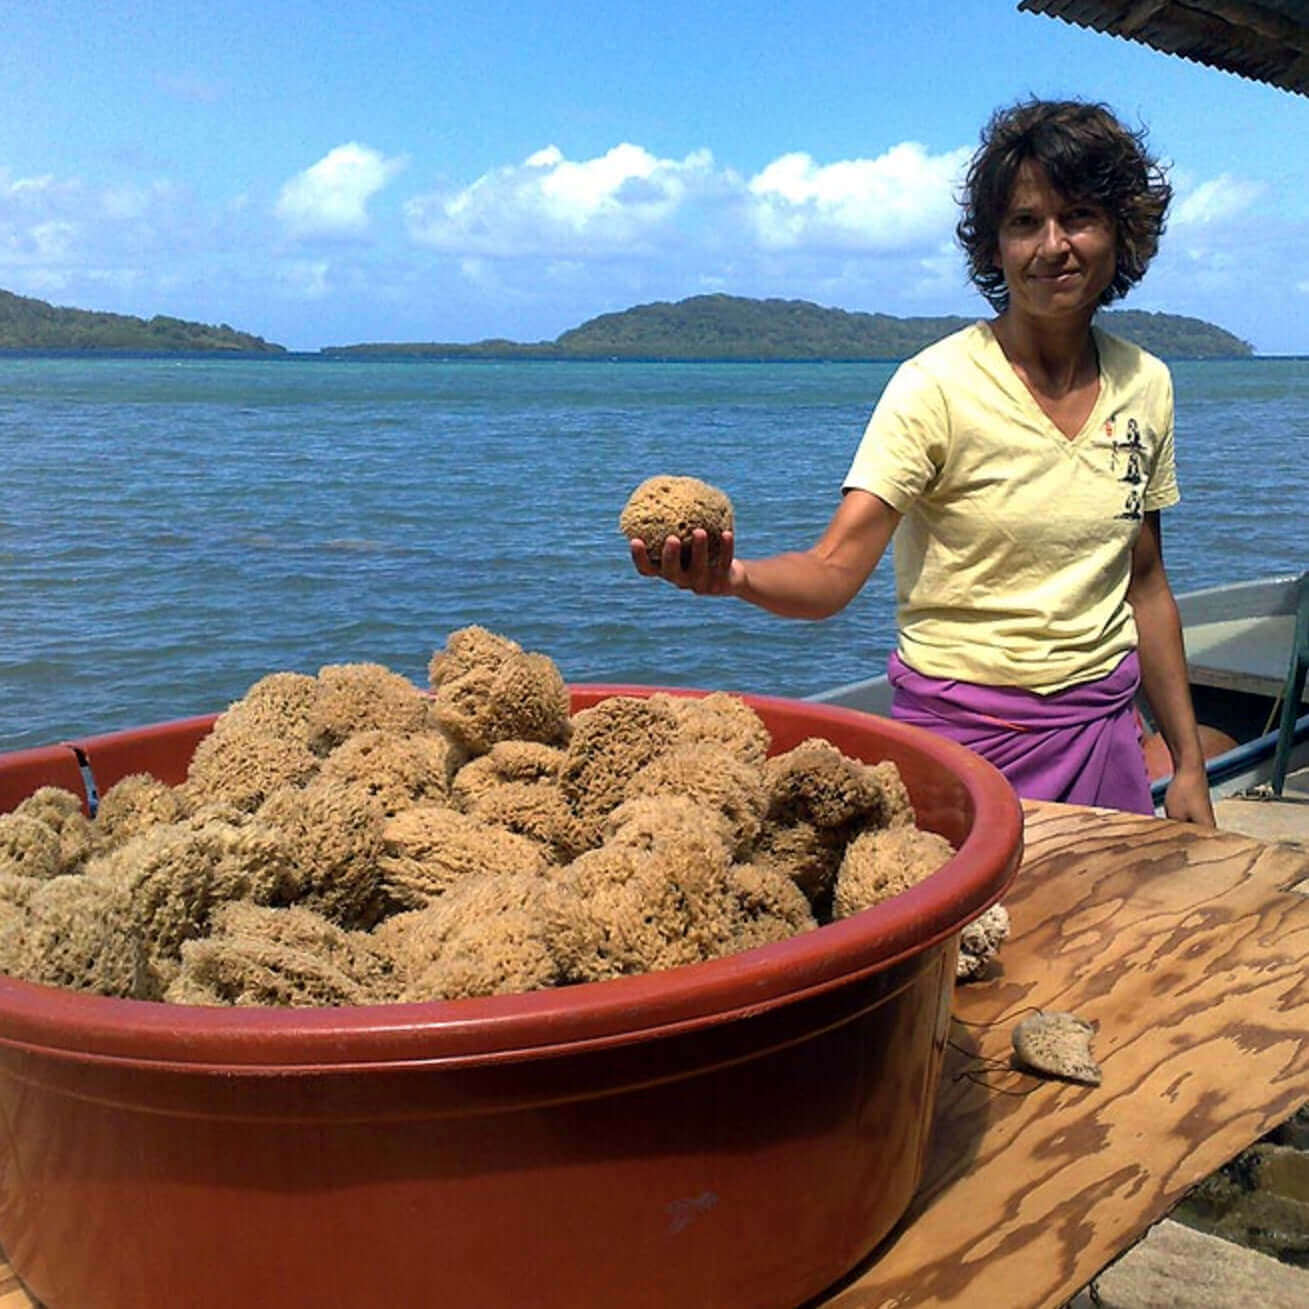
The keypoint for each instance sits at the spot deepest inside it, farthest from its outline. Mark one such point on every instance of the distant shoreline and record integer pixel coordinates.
(701, 329)
(347, 355)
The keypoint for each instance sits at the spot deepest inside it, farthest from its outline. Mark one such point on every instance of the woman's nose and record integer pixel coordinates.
(1053, 237)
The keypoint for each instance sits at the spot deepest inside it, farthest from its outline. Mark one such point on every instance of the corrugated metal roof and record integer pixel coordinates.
(1265, 40)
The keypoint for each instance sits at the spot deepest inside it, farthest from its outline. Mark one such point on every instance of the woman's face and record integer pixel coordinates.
(1057, 255)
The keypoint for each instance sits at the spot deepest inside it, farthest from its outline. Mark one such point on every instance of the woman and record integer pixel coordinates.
(1021, 465)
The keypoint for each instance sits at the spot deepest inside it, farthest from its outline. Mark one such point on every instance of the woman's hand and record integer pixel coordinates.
(688, 567)
(1187, 798)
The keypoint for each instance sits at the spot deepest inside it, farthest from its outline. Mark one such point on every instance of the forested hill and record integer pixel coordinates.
(733, 327)
(27, 324)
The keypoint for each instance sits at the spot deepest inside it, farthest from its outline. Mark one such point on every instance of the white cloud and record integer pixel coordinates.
(621, 201)
(631, 203)
(1215, 201)
(330, 198)
(900, 200)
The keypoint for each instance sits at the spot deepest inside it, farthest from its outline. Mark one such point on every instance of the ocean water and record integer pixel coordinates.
(173, 529)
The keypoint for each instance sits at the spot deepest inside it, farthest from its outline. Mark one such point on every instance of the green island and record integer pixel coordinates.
(703, 327)
(728, 327)
(28, 324)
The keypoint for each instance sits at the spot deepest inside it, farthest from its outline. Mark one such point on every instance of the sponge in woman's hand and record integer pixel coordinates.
(667, 506)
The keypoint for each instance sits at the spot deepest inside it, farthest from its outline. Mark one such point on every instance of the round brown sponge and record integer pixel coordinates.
(675, 506)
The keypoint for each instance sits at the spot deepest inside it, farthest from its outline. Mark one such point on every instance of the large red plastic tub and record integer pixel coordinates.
(736, 1133)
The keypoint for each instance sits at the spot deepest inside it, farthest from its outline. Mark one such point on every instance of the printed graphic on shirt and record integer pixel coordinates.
(1133, 460)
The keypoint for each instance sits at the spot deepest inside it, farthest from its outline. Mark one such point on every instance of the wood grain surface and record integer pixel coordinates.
(1189, 950)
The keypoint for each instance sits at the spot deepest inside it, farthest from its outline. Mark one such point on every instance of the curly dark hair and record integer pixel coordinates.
(1088, 155)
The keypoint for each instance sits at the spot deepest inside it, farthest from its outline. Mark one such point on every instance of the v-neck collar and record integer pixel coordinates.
(1018, 388)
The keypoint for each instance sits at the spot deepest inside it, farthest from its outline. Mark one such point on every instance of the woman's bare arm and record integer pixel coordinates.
(1163, 676)
(813, 583)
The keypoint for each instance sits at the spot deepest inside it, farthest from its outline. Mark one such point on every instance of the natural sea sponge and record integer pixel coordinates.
(362, 697)
(239, 768)
(611, 742)
(1058, 1044)
(52, 805)
(28, 847)
(62, 811)
(522, 698)
(880, 863)
(77, 932)
(815, 783)
(292, 956)
(896, 808)
(468, 648)
(174, 875)
(713, 777)
(397, 770)
(771, 907)
(347, 839)
(487, 936)
(334, 836)
(428, 850)
(280, 704)
(678, 903)
(722, 719)
(665, 506)
(980, 942)
(134, 804)
(652, 822)
(536, 810)
(809, 856)
(507, 761)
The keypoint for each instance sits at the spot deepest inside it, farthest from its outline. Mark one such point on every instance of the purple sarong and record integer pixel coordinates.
(1081, 745)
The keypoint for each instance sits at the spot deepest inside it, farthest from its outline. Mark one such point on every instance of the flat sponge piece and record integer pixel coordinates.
(665, 506)
(1058, 1044)
(281, 956)
(882, 862)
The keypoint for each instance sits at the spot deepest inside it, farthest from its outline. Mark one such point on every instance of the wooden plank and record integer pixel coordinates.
(1189, 949)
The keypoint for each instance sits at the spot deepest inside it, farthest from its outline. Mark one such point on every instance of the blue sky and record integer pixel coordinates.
(323, 173)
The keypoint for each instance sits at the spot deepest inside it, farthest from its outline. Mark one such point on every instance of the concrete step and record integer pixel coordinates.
(1176, 1267)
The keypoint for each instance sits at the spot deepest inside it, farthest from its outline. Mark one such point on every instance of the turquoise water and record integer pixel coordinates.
(171, 530)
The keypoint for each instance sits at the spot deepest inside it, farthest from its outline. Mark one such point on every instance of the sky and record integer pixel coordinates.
(326, 173)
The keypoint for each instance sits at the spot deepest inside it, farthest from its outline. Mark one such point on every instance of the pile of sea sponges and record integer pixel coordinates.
(349, 839)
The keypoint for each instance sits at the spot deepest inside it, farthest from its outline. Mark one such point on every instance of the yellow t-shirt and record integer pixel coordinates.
(1014, 555)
